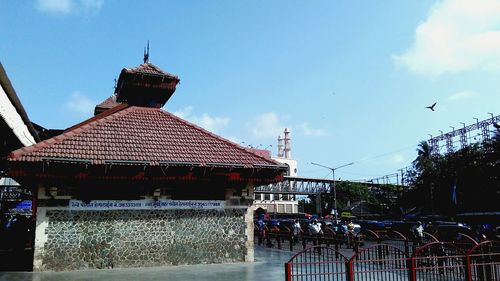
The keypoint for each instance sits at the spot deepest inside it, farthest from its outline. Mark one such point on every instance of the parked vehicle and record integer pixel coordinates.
(450, 231)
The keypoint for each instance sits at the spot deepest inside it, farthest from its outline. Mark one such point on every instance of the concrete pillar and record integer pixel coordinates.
(249, 257)
(40, 238)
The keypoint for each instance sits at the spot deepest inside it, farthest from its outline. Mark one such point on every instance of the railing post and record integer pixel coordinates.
(379, 251)
(412, 269)
(407, 248)
(355, 246)
(267, 235)
(288, 271)
(349, 270)
(468, 269)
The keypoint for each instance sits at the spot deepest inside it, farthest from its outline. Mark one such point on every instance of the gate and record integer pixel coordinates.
(439, 261)
(316, 263)
(433, 261)
(484, 262)
(380, 262)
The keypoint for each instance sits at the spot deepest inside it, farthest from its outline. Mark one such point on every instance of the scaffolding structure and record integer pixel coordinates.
(457, 138)
(467, 135)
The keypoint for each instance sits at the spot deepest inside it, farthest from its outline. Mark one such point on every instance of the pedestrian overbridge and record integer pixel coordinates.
(297, 185)
(280, 197)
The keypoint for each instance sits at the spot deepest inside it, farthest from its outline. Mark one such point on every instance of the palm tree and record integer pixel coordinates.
(424, 162)
(425, 165)
(472, 171)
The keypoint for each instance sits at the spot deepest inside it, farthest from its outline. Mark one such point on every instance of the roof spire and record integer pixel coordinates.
(146, 54)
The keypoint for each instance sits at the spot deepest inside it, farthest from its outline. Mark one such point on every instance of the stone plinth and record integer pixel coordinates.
(72, 240)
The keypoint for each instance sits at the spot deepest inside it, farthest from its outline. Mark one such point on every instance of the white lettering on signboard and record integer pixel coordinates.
(146, 204)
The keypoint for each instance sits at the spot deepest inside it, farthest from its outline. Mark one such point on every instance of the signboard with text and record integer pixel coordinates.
(146, 204)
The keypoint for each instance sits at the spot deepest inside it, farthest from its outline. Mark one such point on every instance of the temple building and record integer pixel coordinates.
(137, 186)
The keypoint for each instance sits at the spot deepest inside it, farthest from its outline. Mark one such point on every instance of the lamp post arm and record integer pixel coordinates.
(343, 166)
(334, 186)
(330, 168)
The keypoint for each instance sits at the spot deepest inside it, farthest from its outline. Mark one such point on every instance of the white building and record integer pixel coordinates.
(280, 203)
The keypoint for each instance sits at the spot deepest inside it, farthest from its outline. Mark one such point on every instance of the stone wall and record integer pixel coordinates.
(72, 240)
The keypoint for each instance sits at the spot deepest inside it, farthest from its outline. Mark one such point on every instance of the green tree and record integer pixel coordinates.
(472, 172)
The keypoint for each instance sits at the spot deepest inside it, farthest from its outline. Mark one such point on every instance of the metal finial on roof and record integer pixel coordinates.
(146, 54)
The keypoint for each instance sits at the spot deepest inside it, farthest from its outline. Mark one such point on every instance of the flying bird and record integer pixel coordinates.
(431, 107)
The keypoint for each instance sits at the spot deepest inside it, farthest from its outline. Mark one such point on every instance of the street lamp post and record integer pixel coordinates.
(334, 187)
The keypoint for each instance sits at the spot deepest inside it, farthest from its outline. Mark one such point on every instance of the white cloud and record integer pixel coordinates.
(212, 124)
(55, 6)
(80, 104)
(234, 139)
(266, 125)
(91, 6)
(308, 131)
(464, 95)
(65, 7)
(458, 35)
(209, 123)
(398, 159)
(183, 112)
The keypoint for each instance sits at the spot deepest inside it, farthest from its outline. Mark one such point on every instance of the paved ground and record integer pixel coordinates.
(269, 265)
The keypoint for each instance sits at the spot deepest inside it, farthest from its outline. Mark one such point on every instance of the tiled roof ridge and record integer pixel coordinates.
(101, 115)
(108, 101)
(112, 113)
(214, 135)
(154, 67)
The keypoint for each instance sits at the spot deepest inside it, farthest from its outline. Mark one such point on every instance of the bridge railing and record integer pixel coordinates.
(295, 185)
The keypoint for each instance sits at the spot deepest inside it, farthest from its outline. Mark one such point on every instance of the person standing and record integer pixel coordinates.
(315, 231)
(297, 230)
(261, 229)
(419, 232)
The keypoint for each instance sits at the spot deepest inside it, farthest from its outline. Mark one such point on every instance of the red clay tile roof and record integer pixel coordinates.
(130, 133)
(106, 104)
(109, 102)
(150, 68)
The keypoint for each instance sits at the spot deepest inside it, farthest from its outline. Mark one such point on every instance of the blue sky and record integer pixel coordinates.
(351, 79)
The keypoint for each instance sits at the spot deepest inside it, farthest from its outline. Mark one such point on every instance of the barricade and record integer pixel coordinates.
(461, 240)
(275, 236)
(316, 263)
(281, 234)
(379, 262)
(396, 239)
(393, 238)
(439, 261)
(367, 235)
(483, 262)
(433, 261)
